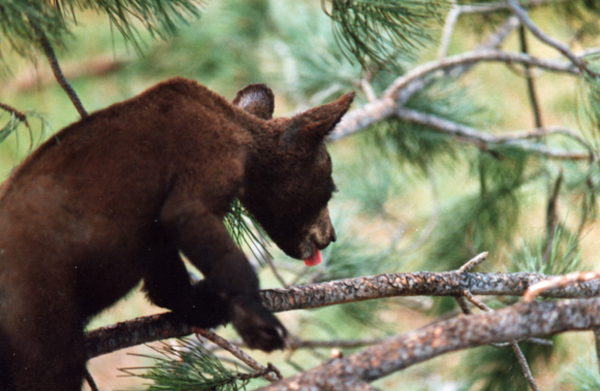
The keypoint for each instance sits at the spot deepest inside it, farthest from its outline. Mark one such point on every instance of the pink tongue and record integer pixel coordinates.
(315, 259)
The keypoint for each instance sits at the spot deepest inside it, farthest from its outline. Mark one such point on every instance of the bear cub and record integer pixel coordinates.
(116, 197)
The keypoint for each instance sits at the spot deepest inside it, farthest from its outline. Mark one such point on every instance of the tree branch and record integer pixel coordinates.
(448, 30)
(520, 13)
(60, 77)
(533, 99)
(517, 322)
(485, 55)
(164, 326)
(539, 288)
(18, 114)
(597, 343)
(512, 342)
(272, 374)
(468, 134)
(388, 104)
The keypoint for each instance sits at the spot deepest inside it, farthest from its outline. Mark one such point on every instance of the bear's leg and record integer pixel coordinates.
(46, 349)
(167, 284)
(204, 239)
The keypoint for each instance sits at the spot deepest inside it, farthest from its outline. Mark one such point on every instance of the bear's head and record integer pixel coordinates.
(288, 174)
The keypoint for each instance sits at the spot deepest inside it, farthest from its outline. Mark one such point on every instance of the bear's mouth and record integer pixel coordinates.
(315, 258)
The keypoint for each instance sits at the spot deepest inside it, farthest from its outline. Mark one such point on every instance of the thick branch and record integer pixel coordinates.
(518, 322)
(163, 326)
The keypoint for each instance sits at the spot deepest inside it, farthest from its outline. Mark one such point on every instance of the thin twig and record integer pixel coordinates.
(559, 281)
(368, 90)
(296, 343)
(475, 57)
(536, 133)
(490, 8)
(262, 373)
(520, 13)
(473, 262)
(492, 42)
(451, 19)
(60, 77)
(513, 343)
(464, 305)
(482, 306)
(597, 340)
(552, 217)
(483, 140)
(478, 303)
(237, 352)
(275, 271)
(535, 106)
(18, 114)
(524, 365)
(90, 380)
(458, 10)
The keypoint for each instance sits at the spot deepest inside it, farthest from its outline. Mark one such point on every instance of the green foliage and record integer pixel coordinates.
(310, 64)
(582, 183)
(592, 133)
(187, 366)
(213, 49)
(350, 256)
(497, 369)
(246, 232)
(411, 144)
(9, 127)
(417, 145)
(23, 22)
(13, 125)
(584, 375)
(475, 223)
(582, 16)
(486, 196)
(562, 255)
(371, 180)
(377, 30)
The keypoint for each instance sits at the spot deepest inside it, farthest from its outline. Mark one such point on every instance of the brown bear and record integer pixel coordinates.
(114, 198)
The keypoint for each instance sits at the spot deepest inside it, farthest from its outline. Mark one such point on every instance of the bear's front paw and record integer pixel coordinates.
(256, 325)
(205, 308)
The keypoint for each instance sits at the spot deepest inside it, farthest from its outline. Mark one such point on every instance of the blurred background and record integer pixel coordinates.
(409, 199)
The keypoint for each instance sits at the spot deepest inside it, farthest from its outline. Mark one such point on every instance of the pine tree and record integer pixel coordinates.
(475, 130)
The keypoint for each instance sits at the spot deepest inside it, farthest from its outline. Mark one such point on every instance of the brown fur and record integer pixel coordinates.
(113, 198)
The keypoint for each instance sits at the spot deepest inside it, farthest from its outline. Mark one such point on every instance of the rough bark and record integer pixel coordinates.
(163, 326)
(518, 322)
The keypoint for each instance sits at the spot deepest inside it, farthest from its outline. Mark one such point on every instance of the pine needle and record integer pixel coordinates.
(187, 366)
(245, 231)
(376, 30)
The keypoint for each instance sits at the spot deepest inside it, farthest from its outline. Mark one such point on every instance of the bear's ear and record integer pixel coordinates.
(308, 129)
(256, 99)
